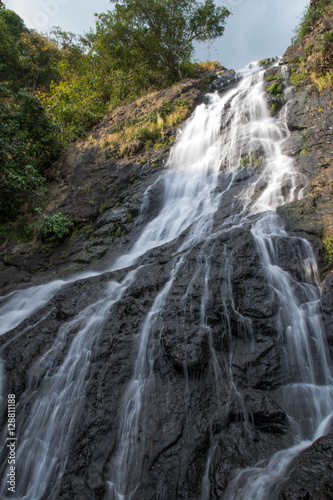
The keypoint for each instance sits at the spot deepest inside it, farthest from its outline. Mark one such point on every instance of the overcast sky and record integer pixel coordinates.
(256, 30)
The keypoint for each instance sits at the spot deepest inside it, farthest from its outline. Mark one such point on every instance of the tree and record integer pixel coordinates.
(27, 58)
(11, 30)
(28, 141)
(38, 56)
(158, 34)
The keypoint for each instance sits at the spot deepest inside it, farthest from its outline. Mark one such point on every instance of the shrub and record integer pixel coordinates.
(54, 228)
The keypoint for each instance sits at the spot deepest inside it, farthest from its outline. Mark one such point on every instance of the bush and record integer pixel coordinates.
(27, 142)
(54, 228)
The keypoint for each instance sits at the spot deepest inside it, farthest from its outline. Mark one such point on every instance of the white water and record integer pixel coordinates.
(191, 198)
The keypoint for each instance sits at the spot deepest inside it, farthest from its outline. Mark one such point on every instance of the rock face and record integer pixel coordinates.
(101, 193)
(176, 375)
(304, 471)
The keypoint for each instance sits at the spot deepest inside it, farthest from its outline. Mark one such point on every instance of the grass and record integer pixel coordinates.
(328, 245)
(322, 81)
(315, 66)
(148, 131)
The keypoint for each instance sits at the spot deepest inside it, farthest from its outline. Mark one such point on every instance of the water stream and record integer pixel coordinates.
(231, 127)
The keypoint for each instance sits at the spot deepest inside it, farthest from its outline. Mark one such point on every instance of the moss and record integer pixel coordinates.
(273, 109)
(303, 152)
(105, 205)
(264, 62)
(251, 160)
(328, 245)
(304, 138)
(85, 188)
(244, 161)
(298, 78)
(86, 229)
(275, 89)
(207, 80)
(272, 78)
(308, 50)
(7, 259)
(118, 232)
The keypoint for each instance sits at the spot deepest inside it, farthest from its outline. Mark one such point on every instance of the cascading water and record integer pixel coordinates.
(205, 170)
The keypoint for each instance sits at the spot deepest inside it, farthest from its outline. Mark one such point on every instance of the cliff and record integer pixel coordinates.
(193, 358)
(99, 185)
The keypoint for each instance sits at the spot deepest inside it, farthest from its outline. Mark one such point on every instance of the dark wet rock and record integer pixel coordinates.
(311, 473)
(226, 79)
(212, 402)
(311, 120)
(257, 363)
(327, 308)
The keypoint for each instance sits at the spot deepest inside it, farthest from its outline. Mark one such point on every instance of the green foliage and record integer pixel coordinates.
(264, 62)
(310, 18)
(272, 78)
(156, 34)
(328, 245)
(27, 141)
(298, 77)
(207, 80)
(54, 88)
(190, 69)
(74, 104)
(118, 232)
(275, 89)
(251, 160)
(27, 58)
(54, 228)
(308, 50)
(166, 109)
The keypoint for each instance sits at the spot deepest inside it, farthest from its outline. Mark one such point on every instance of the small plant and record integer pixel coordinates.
(207, 80)
(275, 89)
(308, 50)
(244, 161)
(118, 231)
(328, 244)
(263, 62)
(272, 78)
(273, 109)
(298, 77)
(54, 228)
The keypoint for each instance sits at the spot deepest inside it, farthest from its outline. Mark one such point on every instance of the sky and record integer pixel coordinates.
(257, 29)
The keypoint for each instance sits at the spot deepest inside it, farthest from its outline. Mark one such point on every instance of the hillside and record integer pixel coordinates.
(99, 185)
(177, 341)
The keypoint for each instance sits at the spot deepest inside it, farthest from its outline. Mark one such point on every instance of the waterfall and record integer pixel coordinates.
(226, 173)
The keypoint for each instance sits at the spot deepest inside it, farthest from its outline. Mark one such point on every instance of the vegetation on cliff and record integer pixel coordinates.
(312, 51)
(54, 88)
